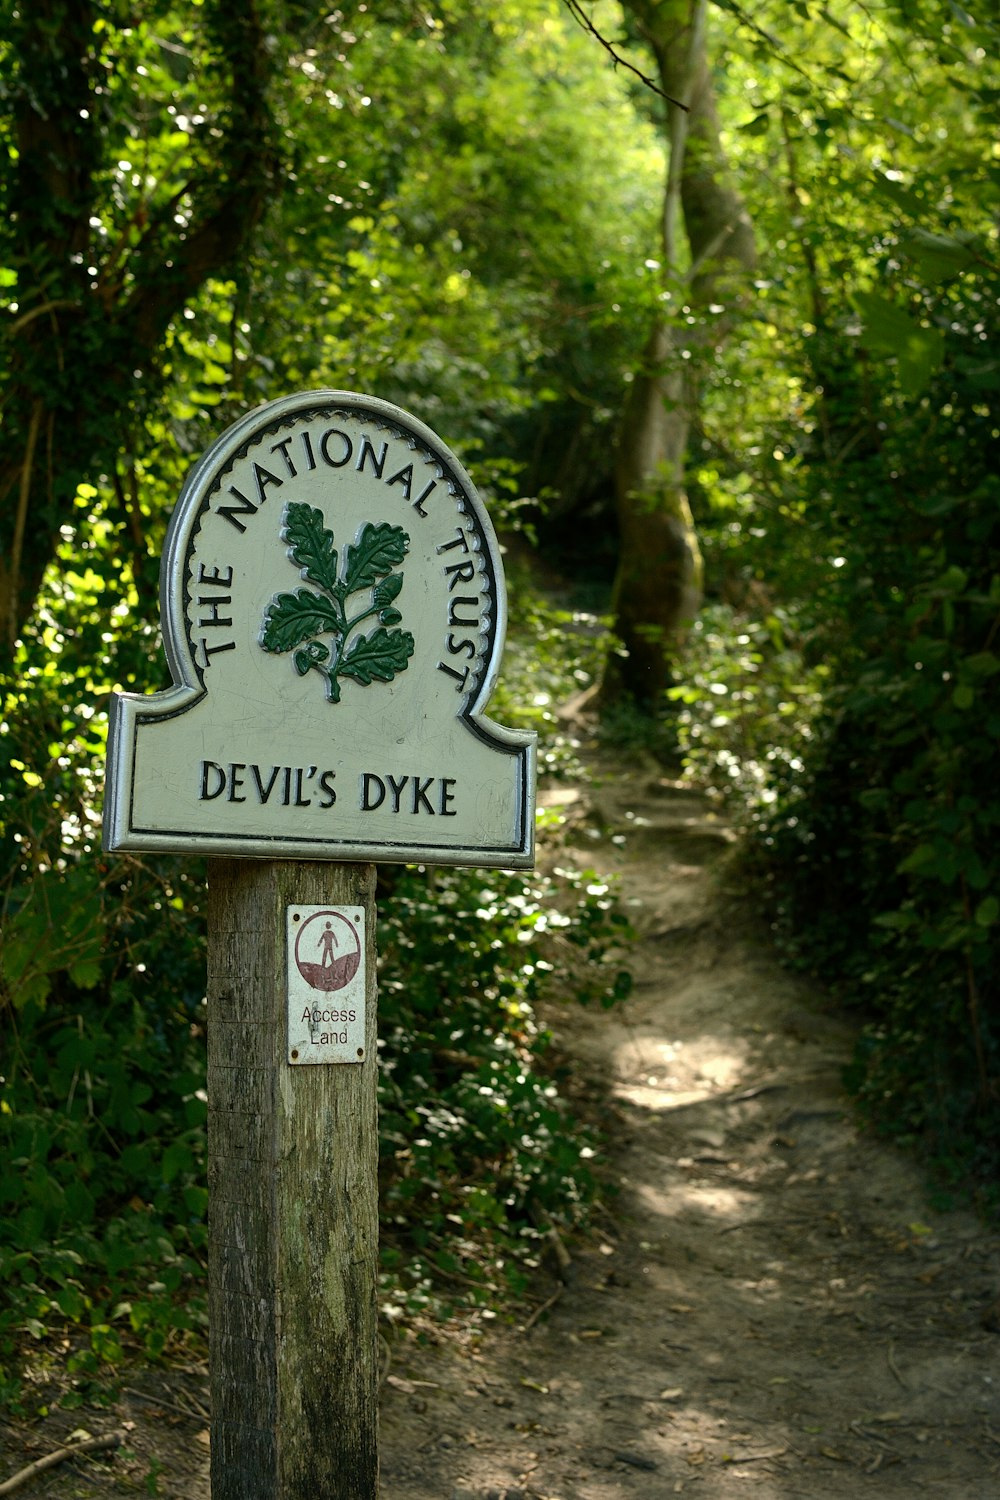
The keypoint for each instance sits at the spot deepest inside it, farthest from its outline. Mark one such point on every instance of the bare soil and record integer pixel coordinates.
(766, 1305)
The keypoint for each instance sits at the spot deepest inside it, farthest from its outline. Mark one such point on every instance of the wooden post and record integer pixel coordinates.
(293, 1210)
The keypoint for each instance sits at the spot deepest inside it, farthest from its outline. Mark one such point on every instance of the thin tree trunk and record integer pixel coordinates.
(659, 580)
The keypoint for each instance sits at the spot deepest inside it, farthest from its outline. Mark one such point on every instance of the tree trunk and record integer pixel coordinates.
(90, 321)
(658, 584)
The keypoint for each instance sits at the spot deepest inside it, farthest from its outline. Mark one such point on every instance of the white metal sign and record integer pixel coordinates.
(333, 613)
(326, 984)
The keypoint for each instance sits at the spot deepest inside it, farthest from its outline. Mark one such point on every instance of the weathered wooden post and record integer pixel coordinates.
(333, 614)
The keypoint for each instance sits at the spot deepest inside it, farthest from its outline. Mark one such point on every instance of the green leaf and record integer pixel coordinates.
(291, 619)
(757, 126)
(377, 550)
(937, 255)
(71, 1302)
(983, 664)
(889, 331)
(381, 654)
(923, 856)
(311, 544)
(898, 921)
(176, 1159)
(987, 911)
(902, 197)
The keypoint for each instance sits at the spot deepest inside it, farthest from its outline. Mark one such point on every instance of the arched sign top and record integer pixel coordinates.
(333, 613)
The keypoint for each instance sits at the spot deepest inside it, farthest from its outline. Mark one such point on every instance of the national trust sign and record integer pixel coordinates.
(333, 614)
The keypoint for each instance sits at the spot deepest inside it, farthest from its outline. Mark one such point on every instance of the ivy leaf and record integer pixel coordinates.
(291, 619)
(381, 654)
(311, 544)
(377, 550)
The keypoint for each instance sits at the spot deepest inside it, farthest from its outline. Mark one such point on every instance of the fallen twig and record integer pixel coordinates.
(563, 1259)
(182, 1411)
(758, 1458)
(873, 1437)
(540, 1311)
(90, 1445)
(894, 1367)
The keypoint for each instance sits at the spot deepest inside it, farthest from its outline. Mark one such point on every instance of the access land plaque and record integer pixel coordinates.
(333, 613)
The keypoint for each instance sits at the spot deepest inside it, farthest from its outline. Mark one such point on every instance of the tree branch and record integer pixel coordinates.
(576, 11)
(168, 265)
(90, 1445)
(21, 518)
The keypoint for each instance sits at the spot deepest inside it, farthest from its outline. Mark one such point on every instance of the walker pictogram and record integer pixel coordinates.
(328, 951)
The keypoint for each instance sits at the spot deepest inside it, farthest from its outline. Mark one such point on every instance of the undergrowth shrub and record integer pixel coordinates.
(860, 722)
(479, 1147)
(744, 711)
(553, 653)
(884, 868)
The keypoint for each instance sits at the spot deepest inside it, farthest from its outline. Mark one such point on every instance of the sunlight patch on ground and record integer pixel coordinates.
(661, 1099)
(726, 1205)
(658, 1074)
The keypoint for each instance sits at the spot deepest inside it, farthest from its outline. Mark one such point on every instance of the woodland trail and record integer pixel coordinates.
(765, 1306)
(769, 1307)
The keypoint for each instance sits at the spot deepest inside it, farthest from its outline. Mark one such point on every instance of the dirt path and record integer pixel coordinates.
(770, 1307)
(767, 1306)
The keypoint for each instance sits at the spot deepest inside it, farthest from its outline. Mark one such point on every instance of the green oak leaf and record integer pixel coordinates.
(381, 654)
(377, 551)
(291, 619)
(311, 544)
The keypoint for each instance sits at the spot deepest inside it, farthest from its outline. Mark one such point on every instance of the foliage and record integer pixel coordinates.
(746, 707)
(852, 504)
(886, 850)
(478, 1145)
(554, 653)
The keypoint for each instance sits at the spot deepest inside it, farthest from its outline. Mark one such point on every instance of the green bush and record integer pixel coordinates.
(478, 1144)
(882, 849)
(745, 709)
